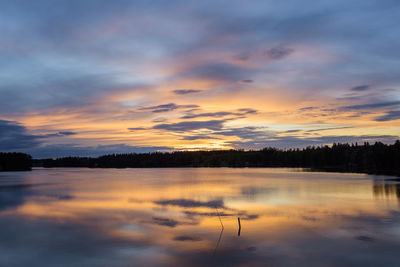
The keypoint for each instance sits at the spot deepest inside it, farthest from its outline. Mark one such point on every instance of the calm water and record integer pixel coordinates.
(172, 217)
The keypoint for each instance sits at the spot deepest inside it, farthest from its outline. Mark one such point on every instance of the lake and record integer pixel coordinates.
(189, 217)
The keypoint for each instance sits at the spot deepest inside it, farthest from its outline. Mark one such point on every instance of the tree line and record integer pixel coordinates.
(15, 162)
(378, 158)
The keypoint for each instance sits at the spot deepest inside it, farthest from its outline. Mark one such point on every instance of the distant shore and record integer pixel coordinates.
(15, 162)
(367, 158)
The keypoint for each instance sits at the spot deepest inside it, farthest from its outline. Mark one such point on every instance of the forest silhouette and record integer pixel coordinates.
(15, 162)
(378, 158)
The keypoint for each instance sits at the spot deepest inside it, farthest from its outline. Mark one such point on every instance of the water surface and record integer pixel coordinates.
(189, 217)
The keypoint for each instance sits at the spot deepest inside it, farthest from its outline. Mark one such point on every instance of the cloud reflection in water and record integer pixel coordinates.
(169, 217)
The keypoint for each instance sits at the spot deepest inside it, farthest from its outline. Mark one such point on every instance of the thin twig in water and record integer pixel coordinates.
(219, 217)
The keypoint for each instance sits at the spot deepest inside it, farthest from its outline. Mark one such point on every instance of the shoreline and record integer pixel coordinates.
(303, 169)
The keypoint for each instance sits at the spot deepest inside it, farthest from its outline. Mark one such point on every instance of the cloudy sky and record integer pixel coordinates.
(93, 77)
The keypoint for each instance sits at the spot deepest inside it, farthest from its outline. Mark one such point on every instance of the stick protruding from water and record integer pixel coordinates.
(240, 227)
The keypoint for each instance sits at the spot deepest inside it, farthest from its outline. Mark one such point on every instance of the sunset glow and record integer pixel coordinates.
(87, 78)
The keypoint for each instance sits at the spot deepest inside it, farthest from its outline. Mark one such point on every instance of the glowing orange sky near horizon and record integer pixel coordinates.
(107, 121)
(133, 78)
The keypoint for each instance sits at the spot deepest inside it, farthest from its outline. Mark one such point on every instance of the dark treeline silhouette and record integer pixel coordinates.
(15, 162)
(378, 158)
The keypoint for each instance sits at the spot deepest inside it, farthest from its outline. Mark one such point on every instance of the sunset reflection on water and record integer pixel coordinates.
(152, 217)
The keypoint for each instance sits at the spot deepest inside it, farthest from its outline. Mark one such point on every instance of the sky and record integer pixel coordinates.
(92, 77)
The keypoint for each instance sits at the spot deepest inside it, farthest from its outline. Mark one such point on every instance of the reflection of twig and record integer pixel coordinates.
(219, 240)
(240, 227)
(220, 234)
